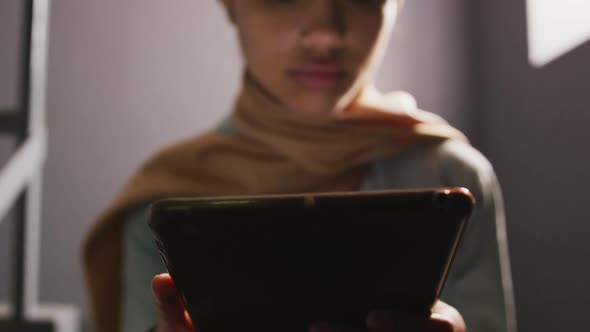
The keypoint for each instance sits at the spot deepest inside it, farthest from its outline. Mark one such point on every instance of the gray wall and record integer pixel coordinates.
(429, 57)
(9, 52)
(533, 124)
(126, 76)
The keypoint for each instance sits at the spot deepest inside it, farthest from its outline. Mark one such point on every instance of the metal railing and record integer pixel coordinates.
(20, 178)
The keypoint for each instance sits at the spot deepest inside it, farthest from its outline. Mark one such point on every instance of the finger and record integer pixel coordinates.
(445, 315)
(168, 303)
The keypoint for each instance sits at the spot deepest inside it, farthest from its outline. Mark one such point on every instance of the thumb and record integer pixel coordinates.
(171, 311)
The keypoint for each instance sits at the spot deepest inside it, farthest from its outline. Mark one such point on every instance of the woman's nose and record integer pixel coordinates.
(325, 27)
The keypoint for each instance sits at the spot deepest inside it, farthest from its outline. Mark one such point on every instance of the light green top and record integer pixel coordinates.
(478, 285)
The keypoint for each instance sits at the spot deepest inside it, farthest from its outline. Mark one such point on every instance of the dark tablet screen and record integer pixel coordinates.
(319, 257)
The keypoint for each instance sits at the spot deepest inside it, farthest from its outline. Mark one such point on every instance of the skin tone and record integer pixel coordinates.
(311, 56)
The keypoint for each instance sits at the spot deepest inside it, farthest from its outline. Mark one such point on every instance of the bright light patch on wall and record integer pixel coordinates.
(556, 27)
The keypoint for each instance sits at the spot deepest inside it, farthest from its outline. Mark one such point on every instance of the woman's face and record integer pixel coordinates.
(312, 55)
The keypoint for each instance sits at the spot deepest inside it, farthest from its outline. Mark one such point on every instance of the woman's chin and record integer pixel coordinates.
(314, 105)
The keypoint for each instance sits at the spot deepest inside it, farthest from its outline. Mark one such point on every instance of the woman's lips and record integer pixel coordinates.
(318, 76)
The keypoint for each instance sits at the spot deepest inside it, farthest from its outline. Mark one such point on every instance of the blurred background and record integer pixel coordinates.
(127, 76)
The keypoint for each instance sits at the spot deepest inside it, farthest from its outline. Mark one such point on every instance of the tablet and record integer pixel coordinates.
(282, 261)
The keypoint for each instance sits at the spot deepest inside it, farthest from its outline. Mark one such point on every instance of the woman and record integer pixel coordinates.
(307, 119)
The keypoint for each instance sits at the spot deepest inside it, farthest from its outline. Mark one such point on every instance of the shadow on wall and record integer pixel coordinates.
(533, 124)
